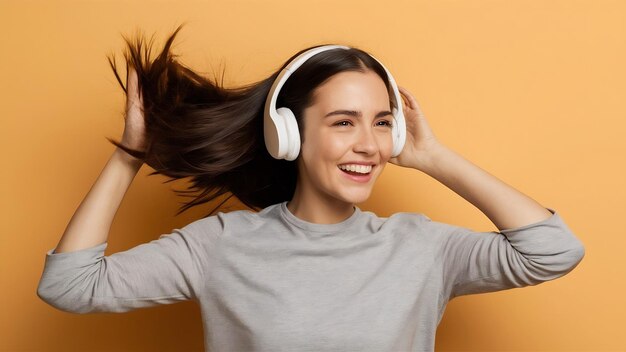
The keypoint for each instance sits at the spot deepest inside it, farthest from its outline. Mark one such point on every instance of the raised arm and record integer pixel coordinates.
(533, 244)
(90, 224)
(79, 278)
(505, 206)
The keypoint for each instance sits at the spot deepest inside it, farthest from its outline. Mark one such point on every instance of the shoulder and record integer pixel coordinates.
(412, 229)
(397, 223)
(230, 222)
(424, 224)
(406, 218)
(222, 221)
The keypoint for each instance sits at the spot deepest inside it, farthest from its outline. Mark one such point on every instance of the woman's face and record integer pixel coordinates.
(349, 122)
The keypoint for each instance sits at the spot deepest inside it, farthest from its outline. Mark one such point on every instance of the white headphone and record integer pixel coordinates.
(280, 127)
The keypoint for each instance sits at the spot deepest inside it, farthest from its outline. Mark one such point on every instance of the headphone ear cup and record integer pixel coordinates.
(275, 135)
(293, 135)
(394, 132)
(398, 130)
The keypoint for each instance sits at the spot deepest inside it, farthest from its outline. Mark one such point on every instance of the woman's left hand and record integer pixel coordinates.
(420, 140)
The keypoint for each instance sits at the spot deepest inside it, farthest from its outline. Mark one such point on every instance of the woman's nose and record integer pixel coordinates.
(365, 141)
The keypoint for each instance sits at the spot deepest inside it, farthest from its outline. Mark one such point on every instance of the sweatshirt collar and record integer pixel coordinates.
(313, 227)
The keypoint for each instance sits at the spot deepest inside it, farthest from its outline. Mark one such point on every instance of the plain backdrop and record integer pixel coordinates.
(531, 91)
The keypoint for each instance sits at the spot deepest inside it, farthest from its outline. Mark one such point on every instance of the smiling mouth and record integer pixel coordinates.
(354, 173)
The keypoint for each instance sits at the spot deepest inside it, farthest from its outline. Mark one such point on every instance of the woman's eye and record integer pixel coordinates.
(341, 122)
(387, 123)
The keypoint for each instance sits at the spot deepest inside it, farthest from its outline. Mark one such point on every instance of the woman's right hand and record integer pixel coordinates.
(135, 128)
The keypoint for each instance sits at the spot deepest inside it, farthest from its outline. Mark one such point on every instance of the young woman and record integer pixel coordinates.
(308, 270)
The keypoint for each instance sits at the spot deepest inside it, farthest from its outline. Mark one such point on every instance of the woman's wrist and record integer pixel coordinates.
(128, 159)
(428, 164)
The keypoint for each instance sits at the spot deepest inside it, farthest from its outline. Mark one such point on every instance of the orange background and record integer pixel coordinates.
(531, 91)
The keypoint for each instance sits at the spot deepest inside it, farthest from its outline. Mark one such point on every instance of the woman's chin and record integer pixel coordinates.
(359, 196)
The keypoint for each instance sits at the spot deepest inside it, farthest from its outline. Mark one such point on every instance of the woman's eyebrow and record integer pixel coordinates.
(355, 113)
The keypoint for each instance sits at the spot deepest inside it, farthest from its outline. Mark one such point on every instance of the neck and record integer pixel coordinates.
(319, 210)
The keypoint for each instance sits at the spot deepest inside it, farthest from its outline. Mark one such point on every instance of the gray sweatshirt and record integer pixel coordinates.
(269, 281)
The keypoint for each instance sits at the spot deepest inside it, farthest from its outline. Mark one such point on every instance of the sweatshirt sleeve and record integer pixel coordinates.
(479, 262)
(164, 271)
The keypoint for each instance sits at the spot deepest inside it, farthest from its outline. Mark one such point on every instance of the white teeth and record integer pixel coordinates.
(362, 169)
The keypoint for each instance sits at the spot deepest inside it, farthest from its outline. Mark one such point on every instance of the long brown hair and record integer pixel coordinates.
(196, 127)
